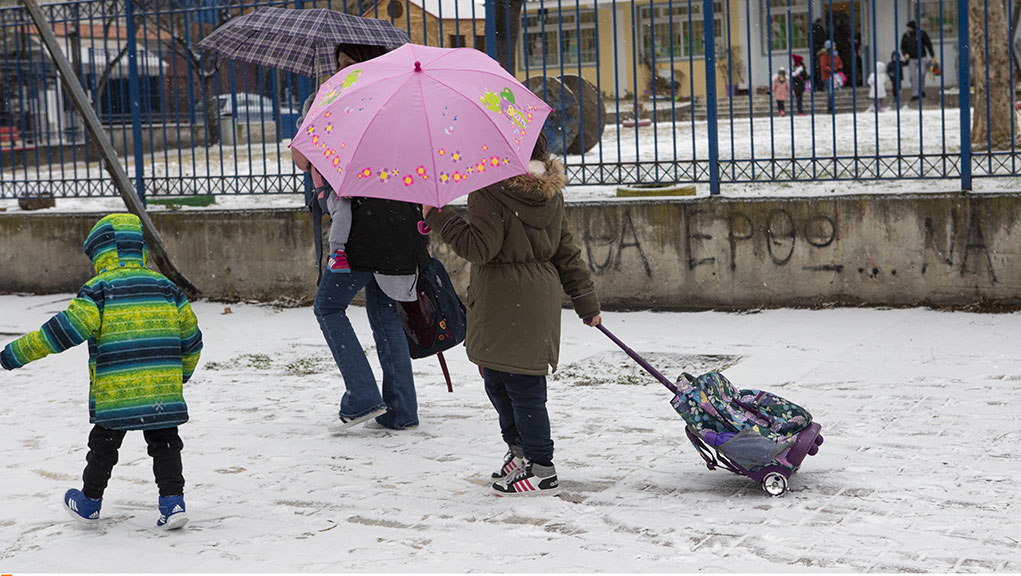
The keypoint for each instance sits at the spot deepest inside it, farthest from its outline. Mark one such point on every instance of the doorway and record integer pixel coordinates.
(849, 37)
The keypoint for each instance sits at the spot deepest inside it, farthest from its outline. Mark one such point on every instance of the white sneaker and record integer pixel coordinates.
(531, 480)
(342, 424)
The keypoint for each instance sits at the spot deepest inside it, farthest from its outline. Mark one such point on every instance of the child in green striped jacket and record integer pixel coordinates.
(144, 343)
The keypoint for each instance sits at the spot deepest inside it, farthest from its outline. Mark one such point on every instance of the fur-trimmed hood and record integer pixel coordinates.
(531, 196)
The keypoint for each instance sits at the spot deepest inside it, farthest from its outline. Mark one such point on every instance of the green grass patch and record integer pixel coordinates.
(179, 201)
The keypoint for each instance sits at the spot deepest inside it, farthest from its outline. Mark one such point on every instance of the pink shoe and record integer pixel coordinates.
(338, 262)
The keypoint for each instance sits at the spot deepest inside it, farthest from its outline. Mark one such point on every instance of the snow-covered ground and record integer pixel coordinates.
(918, 473)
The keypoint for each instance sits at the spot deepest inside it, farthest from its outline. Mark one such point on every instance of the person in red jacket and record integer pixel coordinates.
(830, 66)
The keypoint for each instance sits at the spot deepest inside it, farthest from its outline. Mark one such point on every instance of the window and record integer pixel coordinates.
(480, 42)
(776, 27)
(569, 36)
(665, 29)
(455, 41)
(931, 22)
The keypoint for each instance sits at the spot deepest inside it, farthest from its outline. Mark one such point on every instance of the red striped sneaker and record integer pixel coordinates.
(531, 480)
(512, 460)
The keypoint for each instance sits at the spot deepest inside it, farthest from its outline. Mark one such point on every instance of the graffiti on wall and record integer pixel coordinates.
(977, 259)
(610, 240)
(782, 234)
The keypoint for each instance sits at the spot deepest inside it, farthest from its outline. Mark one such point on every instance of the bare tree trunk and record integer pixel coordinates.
(213, 135)
(997, 132)
(105, 78)
(507, 12)
(172, 24)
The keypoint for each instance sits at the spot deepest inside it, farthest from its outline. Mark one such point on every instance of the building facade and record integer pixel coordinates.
(617, 44)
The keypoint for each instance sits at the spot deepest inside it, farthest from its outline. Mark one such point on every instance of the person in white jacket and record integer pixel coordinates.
(877, 87)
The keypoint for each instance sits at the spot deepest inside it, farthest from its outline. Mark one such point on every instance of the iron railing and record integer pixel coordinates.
(646, 93)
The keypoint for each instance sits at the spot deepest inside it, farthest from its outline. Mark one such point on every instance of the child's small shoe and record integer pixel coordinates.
(172, 512)
(81, 507)
(532, 479)
(338, 262)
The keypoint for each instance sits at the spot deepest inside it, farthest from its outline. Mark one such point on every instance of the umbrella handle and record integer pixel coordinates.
(641, 361)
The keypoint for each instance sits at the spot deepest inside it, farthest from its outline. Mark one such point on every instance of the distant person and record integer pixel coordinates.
(819, 39)
(859, 64)
(914, 46)
(877, 87)
(523, 257)
(831, 68)
(895, 72)
(781, 90)
(144, 344)
(799, 79)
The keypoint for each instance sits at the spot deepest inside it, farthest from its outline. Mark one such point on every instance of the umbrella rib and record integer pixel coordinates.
(429, 134)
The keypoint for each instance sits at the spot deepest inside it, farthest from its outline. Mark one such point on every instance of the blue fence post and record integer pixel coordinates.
(710, 96)
(964, 84)
(491, 29)
(136, 100)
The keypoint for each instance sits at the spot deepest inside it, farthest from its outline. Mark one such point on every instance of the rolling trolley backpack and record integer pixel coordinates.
(749, 432)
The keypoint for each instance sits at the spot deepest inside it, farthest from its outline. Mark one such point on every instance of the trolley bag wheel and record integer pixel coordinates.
(775, 484)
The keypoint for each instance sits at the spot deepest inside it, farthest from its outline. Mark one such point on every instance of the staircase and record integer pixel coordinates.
(844, 102)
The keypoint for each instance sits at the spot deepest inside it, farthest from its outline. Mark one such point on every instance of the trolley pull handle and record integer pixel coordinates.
(641, 361)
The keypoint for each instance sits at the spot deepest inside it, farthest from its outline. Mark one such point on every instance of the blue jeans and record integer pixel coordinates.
(362, 395)
(520, 400)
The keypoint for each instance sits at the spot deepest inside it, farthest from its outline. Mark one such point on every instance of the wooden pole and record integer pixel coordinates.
(157, 249)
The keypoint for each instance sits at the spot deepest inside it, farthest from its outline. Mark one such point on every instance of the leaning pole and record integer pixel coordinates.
(157, 249)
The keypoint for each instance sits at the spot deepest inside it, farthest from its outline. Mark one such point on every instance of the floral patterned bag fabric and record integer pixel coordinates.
(751, 427)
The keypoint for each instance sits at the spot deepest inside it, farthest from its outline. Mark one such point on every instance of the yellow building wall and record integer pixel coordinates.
(691, 75)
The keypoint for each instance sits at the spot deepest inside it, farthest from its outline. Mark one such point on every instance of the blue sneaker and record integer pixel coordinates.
(81, 507)
(172, 514)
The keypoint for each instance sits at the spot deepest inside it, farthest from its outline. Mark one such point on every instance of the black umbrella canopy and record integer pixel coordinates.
(301, 41)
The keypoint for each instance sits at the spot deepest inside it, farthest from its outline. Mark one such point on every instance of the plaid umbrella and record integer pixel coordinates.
(300, 41)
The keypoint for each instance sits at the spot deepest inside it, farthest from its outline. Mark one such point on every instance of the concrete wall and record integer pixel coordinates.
(933, 249)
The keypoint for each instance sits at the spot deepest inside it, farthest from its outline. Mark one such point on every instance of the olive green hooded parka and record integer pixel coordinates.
(523, 258)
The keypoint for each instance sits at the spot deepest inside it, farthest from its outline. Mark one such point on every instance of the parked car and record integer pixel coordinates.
(250, 107)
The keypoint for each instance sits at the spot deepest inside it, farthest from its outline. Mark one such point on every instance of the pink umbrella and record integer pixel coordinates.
(420, 124)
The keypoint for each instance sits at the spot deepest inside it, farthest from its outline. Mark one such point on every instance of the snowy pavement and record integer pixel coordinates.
(918, 473)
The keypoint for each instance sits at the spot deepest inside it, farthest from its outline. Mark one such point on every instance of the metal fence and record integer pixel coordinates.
(645, 92)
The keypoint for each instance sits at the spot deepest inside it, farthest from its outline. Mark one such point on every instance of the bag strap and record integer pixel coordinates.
(317, 235)
(711, 460)
(446, 373)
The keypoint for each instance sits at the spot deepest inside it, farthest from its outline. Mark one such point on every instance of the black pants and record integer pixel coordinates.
(779, 106)
(800, 98)
(520, 400)
(165, 447)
